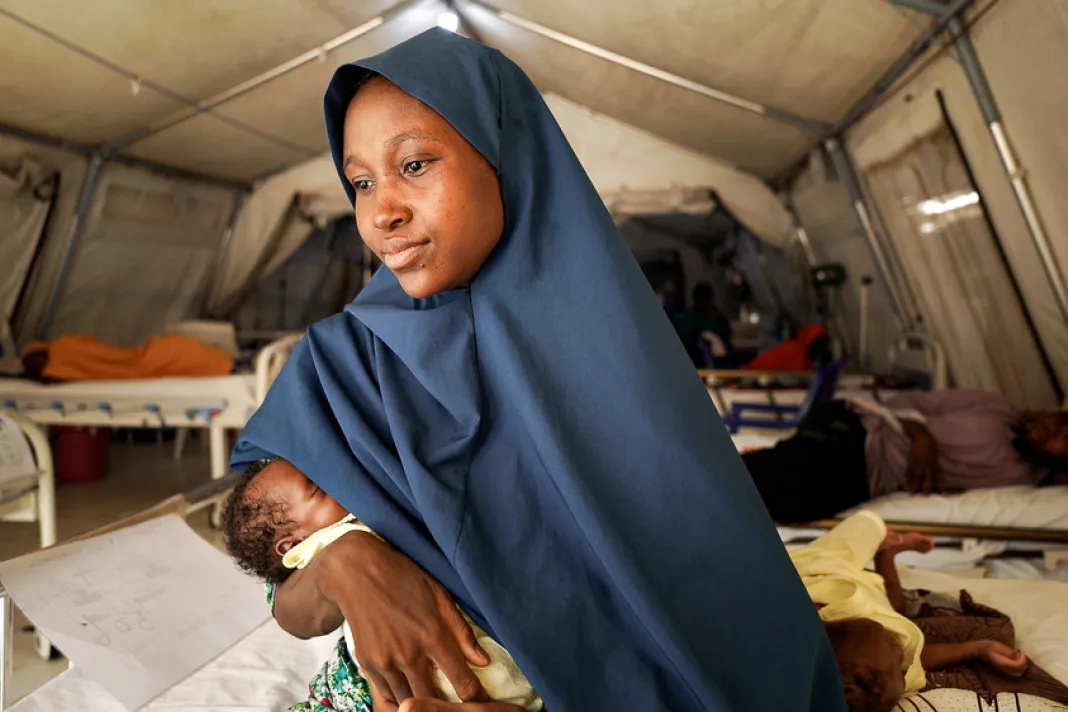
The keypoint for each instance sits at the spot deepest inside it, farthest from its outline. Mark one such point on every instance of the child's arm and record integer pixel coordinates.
(893, 545)
(885, 567)
(937, 656)
(302, 609)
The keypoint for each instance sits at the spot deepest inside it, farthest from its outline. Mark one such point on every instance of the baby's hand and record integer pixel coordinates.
(895, 543)
(1003, 658)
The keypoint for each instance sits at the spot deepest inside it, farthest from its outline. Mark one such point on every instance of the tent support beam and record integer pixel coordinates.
(224, 248)
(806, 125)
(846, 173)
(86, 150)
(317, 54)
(988, 105)
(77, 230)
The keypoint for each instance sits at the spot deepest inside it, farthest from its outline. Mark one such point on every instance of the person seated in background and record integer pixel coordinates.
(693, 324)
(810, 350)
(889, 642)
(847, 452)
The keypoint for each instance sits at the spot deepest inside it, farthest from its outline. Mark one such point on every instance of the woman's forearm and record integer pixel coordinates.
(302, 609)
(936, 656)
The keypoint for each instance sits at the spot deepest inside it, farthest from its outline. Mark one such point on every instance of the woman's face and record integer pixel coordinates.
(1048, 433)
(427, 203)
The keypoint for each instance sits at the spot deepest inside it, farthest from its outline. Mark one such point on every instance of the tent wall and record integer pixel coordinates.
(621, 159)
(254, 234)
(146, 255)
(836, 236)
(1019, 44)
(71, 168)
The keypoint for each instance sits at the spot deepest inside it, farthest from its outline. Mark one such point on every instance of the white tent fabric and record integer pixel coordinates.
(22, 218)
(146, 258)
(936, 223)
(1034, 109)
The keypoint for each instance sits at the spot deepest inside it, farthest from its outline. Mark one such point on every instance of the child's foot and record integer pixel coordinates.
(912, 541)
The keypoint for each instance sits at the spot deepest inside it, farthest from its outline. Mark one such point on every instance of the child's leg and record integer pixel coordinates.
(893, 545)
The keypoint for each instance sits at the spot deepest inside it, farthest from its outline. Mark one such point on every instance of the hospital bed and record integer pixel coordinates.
(913, 355)
(269, 670)
(985, 522)
(214, 403)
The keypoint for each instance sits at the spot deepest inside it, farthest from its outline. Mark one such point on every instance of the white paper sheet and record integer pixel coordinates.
(137, 610)
(16, 458)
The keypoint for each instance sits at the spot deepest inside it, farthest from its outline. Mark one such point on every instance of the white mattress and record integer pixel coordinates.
(269, 670)
(1025, 507)
(234, 394)
(266, 672)
(1039, 611)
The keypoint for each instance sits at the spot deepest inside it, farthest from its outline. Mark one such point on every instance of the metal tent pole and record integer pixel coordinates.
(77, 230)
(851, 183)
(806, 125)
(988, 105)
(224, 248)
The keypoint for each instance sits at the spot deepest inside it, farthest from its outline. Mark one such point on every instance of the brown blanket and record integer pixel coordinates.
(945, 619)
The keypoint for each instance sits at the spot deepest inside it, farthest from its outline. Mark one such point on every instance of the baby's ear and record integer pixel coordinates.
(283, 545)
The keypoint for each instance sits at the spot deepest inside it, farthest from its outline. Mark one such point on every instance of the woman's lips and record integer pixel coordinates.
(402, 255)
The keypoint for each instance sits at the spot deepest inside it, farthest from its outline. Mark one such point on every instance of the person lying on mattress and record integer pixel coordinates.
(889, 642)
(276, 521)
(82, 357)
(507, 405)
(847, 452)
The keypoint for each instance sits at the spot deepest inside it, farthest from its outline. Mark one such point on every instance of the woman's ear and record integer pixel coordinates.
(287, 542)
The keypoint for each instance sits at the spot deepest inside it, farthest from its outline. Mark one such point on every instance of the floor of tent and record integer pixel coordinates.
(140, 475)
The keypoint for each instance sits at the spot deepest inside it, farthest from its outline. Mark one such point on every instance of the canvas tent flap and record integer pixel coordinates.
(22, 218)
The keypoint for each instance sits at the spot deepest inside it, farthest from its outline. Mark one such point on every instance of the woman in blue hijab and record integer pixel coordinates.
(509, 407)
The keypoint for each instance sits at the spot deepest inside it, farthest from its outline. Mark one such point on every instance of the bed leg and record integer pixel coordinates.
(7, 653)
(217, 437)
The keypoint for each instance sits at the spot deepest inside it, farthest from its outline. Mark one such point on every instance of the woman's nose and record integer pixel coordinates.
(391, 210)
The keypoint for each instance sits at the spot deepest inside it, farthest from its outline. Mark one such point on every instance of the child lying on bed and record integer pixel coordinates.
(277, 520)
(882, 655)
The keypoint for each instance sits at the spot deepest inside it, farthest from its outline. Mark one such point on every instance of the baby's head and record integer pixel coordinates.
(869, 663)
(272, 509)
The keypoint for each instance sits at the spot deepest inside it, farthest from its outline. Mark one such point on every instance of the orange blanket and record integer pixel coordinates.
(80, 357)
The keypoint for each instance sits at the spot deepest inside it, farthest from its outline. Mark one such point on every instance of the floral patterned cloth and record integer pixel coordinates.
(338, 686)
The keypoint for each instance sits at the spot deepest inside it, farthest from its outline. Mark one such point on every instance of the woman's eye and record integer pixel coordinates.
(361, 185)
(414, 167)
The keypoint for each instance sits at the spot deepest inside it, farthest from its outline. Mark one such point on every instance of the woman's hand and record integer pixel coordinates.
(421, 705)
(403, 622)
(922, 474)
(1003, 658)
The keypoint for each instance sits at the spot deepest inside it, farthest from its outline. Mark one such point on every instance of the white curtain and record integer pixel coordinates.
(937, 225)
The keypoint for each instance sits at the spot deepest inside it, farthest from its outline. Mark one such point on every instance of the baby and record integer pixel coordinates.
(277, 520)
(881, 654)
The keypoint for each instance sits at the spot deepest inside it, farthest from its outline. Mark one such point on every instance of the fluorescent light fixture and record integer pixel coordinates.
(947, 204)
(449, 21)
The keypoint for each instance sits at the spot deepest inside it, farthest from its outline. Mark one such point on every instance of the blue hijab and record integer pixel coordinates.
(540, 442)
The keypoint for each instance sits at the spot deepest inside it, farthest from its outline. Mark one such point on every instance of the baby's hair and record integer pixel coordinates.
(864, 686)
(252, 522)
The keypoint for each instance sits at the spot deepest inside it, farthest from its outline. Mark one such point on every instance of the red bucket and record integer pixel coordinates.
(81, 454)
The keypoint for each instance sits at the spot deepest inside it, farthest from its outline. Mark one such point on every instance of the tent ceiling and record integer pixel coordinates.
(810, 58)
